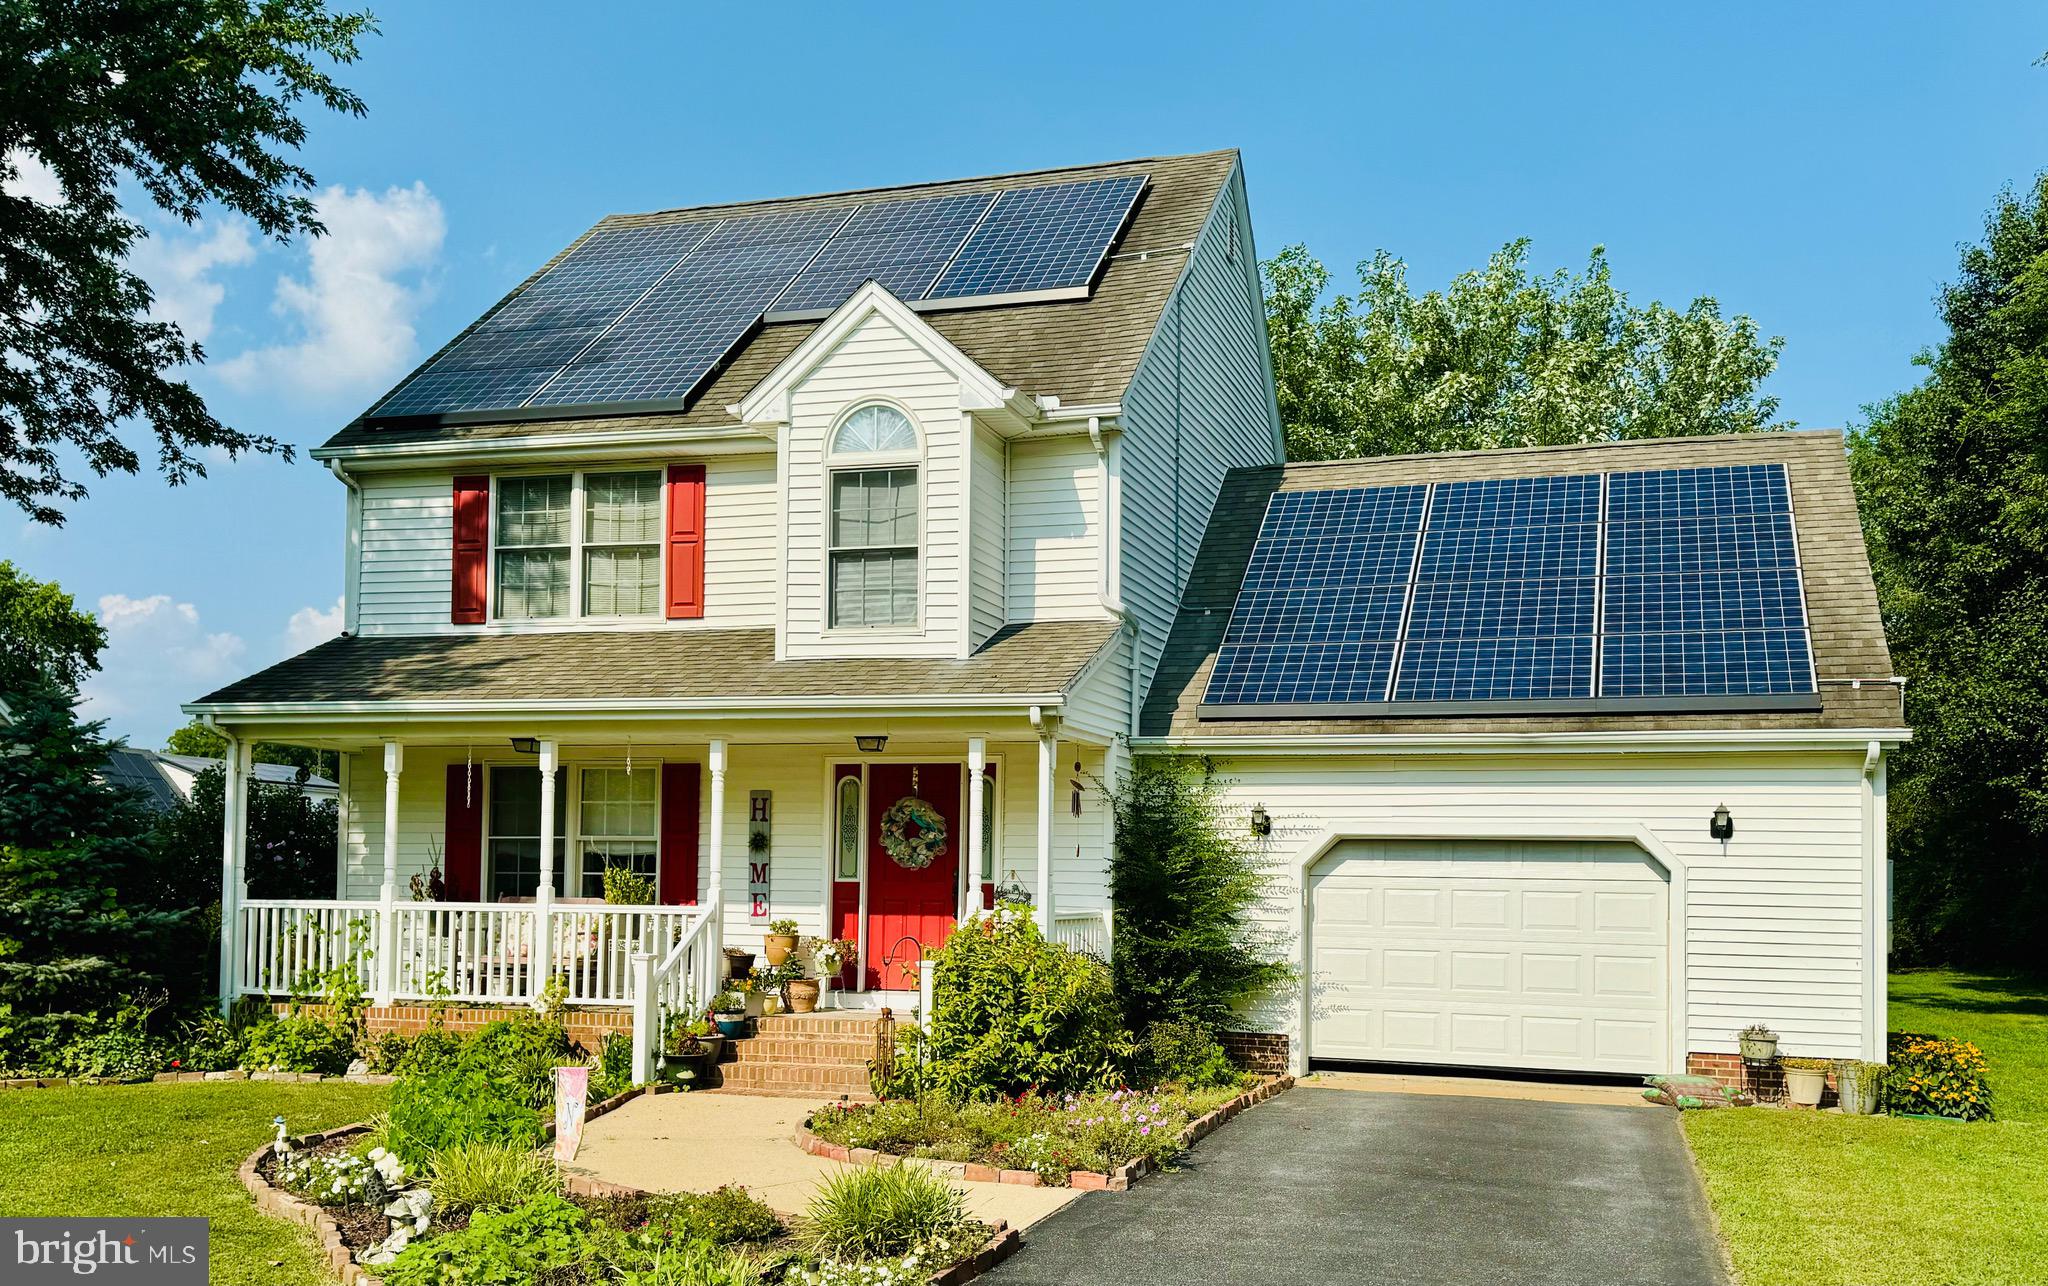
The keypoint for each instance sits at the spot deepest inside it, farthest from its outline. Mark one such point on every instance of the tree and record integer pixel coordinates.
(1502, 358)
(291, 840)
(195, 738)
(1952, 477)
(1185, 878)
(42, 633)
(192, 102)
(81, 930)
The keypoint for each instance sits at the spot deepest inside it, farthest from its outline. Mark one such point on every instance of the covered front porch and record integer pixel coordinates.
(471, 854)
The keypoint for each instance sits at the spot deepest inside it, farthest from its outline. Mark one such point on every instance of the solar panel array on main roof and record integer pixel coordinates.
(1669, 588)
(644, 315)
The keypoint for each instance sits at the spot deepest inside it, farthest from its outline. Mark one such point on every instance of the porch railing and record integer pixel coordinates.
(476, 952)
(681, 980)
(1087, 932)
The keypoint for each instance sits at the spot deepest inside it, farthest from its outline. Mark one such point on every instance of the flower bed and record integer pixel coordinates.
(1095, 1141)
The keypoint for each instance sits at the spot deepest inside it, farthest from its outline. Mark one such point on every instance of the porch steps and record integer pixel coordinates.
(808, 1055)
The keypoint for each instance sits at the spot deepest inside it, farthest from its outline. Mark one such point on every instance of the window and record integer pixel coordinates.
(988, 828)
(874, 429)
(513, 841)
(533, 547)
(847, 863)
(618, 824)
(874, 548)
(622, 544)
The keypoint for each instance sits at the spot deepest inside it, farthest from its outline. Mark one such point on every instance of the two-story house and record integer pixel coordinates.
(818, 559)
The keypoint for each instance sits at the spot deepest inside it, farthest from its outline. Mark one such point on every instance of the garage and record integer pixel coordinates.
(1541, 956)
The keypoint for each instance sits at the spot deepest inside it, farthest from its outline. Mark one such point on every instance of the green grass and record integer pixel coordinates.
(1808, 1199)
(170, 1150)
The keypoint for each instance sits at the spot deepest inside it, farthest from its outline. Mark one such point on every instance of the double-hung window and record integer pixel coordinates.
(579, 545)
(618, 824)
(874, 521)
(513, 841)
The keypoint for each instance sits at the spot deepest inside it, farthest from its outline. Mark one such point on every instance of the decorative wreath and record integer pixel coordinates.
(913, 850)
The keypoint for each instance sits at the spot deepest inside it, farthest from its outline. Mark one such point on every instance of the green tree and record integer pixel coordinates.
(195, 738)
(291, 840)
(42, 633)
(81, 930)
(191, 102)
(1502, 358)
(1186, 878)
(1953, 482)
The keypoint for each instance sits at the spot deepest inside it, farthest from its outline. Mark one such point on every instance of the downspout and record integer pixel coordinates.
(1877, 916)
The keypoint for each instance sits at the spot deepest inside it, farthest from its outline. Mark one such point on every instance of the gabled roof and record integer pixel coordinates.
(1841, 600)
(1082, 351)
(652, 667)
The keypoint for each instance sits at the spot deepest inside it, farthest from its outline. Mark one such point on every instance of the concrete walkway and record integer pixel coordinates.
(1324, 1185)
(697, 1142)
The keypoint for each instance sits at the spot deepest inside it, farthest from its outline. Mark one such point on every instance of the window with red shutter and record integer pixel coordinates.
(685, 541)
(469, 585)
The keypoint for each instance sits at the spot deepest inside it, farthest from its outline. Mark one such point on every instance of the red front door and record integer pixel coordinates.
(910, 907)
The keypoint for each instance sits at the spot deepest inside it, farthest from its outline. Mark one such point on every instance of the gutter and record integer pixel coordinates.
(1672, 742)
(632, 707)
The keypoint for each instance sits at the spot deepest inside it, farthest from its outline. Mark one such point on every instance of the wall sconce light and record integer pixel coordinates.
(526, 745)
(1262, 823)
(1722, 826)
(871, 744)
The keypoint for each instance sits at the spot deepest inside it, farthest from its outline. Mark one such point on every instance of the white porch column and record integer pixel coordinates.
(1048, 763)
(715, 860)
(234, 835)
(544, 896)
(344, 803)
(970, 864)
(387, 892)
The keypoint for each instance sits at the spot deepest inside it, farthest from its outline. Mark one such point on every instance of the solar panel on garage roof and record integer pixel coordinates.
(1638, 590)
(646, 314)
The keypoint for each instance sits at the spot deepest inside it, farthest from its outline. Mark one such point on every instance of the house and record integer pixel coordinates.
(816, 559)
(163, 781)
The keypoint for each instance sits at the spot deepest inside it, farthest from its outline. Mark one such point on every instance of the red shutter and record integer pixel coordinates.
(463, 820)
(468, 588)
(679, 832)
(685, 541)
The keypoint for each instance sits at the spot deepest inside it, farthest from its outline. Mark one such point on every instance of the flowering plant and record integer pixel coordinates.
(343, 1178)
(1937, 1076)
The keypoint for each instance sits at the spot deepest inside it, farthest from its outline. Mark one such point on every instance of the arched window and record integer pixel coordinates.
(874, 530)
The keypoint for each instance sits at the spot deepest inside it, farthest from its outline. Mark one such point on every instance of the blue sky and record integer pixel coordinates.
(1812, 166)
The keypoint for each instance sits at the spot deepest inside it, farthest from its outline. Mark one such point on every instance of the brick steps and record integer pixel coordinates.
(802, 1055)
(821, 1079)
(828, 1049)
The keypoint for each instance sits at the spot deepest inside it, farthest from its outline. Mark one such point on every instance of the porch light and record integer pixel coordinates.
(871, 744)
(526, 745)
(1262, 823)
(1722, 826)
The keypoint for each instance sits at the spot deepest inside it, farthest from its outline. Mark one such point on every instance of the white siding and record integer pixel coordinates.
(1099, 706)
(739, 543)
(1055, 538)
(876, 360)
(988, 541)
(1773, 929)
(1080, 846)
(1200, 404)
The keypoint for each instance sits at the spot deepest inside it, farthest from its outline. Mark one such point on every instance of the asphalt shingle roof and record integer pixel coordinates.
(1081, 351)
(656, 665)
(1841, 601)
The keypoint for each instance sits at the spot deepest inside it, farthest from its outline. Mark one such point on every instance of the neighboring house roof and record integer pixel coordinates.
(164, 781)
(1841, 600)
(653, 666)
(1082, 351)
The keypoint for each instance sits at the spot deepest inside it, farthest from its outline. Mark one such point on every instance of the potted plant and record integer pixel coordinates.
(828, 957)
(1759, 1044)
(1857, 1085)
(739, 962)
(624, 886)
(729, 1014)
(689, 1045)
(799, 991)
(764, 990)
(1806, 1079)
(781, 940)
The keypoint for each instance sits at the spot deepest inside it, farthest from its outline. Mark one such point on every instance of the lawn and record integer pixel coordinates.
(1808, 1199)
(170, 1150)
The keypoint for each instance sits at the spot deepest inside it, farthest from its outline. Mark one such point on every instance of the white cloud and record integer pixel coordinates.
(32, 178)
(158, 655)
(179, 270)
(310, 626)
(362, 292)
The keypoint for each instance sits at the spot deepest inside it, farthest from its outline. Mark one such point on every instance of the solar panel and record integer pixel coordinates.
(903, 245)
(1585, 591)
(1041, 239)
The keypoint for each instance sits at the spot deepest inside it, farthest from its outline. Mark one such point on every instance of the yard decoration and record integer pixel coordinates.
(913, 832)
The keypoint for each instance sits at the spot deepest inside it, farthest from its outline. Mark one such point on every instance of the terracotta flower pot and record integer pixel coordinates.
(777, 946)
(803, 995)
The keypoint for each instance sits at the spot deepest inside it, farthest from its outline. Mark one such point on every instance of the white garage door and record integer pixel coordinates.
(1549, 956)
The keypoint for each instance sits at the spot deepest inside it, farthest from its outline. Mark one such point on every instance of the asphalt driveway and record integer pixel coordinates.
(1321, 1185)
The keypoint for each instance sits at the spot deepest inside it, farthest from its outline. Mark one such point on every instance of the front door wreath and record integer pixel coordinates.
(913, 833)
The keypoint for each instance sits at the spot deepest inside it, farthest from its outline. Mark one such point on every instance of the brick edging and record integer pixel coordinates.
(1117, 1180)
(279, 1204)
